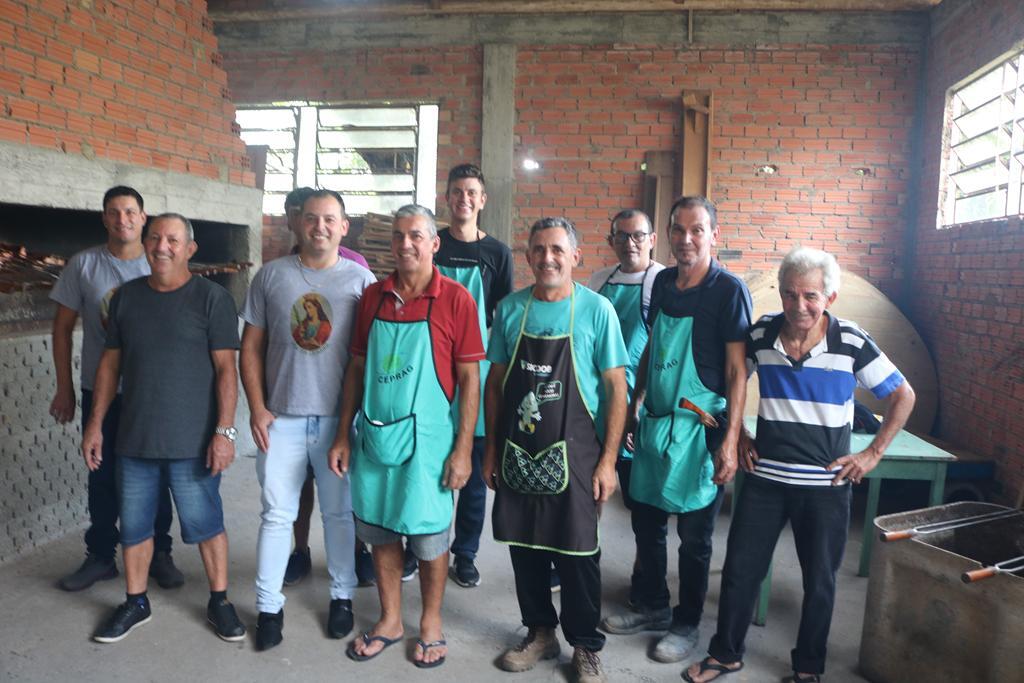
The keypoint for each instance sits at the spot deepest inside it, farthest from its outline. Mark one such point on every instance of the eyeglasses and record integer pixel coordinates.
(638, 237)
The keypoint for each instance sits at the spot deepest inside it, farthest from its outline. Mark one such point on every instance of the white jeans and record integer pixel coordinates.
(294, 443)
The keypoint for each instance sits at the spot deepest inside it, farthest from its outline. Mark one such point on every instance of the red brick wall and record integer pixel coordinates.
(588, 114)
(969, 293)
(450, 76)
(136, 82)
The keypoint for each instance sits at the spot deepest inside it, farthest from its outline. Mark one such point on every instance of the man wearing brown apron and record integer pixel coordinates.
(557, 351)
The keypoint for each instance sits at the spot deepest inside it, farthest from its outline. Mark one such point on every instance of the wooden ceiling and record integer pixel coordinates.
(235, 10)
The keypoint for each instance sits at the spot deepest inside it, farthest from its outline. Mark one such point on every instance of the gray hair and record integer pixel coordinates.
(626, 214)
(556, 222)
(189, 232)
(803, 260)
(410, 210)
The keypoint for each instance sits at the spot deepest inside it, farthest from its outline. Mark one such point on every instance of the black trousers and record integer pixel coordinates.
(102, 536)
(820, 517)
(624, 466)
(695, 529)
(581, 593)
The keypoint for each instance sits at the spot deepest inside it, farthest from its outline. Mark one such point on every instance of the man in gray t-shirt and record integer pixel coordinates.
(299, 314)
(84, 289)
(172, 338)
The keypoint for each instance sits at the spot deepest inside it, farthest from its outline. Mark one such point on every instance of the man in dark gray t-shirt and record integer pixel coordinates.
(172, 340)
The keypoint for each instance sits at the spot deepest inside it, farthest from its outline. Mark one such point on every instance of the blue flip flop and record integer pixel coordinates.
(424, 647)
(367, 639)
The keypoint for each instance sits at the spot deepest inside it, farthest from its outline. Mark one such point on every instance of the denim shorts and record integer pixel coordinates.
(425, 547)
(196, 496)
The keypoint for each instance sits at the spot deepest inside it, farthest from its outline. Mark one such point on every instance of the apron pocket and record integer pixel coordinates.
(545, 473)
(654, 434)
(391, 444)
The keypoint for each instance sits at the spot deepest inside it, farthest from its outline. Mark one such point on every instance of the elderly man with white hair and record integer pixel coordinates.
(809, 363)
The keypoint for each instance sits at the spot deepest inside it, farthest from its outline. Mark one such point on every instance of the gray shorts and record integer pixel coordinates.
(425, 547)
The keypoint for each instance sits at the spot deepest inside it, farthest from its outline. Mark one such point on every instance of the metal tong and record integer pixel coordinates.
(936, 527)
(1010, 566)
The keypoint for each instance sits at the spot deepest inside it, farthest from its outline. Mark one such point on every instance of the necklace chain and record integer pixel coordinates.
(302, 272)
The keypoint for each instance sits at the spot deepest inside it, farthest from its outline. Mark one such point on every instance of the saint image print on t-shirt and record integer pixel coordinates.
(311, 321)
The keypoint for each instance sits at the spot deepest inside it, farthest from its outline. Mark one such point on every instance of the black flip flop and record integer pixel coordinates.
(706, 665)
(424, 647)
(367, 639)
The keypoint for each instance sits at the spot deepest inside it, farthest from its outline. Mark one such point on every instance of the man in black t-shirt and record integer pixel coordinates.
(172, 340)
(484, 266)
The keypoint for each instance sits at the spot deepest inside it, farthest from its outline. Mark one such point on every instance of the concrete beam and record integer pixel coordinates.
(497, 128)
(667, 29)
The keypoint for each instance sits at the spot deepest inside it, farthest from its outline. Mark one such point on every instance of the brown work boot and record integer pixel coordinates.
(587, 665)
(539, 643)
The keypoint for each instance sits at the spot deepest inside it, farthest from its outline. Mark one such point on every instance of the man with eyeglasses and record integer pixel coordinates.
(691, 385)
(628, 285)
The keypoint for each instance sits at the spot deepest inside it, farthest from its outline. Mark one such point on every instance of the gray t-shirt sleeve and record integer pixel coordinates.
(68, 290)
(254, 310)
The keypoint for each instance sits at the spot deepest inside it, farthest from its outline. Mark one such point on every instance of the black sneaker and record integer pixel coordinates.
(410, 567)
(225, 621)
(268, 630)
(299, 565)
(365, 573)
(464, 572)
(339, 619)
(128, 616)
(93, 569)
(163, 570)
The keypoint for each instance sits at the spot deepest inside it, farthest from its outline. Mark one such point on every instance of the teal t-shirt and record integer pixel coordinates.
(596, 336)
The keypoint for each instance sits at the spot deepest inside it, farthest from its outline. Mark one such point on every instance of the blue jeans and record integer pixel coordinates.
(196, 495)
(425, 547)
(650, 524)
(820, 517)
(471, 508)
(296, 443)
(102, 536)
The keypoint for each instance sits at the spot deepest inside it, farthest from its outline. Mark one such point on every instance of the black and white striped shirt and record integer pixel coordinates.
(805, 415)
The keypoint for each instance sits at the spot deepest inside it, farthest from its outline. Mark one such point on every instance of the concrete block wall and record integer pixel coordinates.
(42, 475)
(968, 289)
(137, 82)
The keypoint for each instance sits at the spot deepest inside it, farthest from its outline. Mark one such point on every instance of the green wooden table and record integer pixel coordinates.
(907, 457)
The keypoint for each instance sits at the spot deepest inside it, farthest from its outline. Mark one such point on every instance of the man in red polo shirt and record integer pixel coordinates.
(417, 338)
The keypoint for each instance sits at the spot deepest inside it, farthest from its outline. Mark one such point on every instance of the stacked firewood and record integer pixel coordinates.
(21, 269)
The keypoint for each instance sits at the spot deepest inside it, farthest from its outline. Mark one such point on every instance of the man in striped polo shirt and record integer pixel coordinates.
(809, 363)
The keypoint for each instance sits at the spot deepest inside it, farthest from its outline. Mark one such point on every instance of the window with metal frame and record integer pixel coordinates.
(983, 159)
(377, 157)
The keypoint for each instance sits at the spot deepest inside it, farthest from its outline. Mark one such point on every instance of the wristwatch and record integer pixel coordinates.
(229, 433)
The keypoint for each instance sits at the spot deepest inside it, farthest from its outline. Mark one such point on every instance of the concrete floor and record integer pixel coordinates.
(45, 632)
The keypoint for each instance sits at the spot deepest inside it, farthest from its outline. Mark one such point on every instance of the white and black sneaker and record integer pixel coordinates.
(464, 572)
(128, 616)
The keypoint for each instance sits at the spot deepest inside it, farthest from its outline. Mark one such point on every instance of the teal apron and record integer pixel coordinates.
(405, 433)
(548, 449)
(628, 302)
(672, 466)
(471, 277)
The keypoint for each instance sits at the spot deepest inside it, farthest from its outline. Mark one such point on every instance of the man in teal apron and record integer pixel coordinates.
(691, 376)
(628, 285)
(483, 265)
(554, 345)
(416, 341)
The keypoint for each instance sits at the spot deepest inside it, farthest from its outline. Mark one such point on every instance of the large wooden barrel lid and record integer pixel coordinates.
(862, 303)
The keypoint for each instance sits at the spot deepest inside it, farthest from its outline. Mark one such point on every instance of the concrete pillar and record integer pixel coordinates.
(497, 127)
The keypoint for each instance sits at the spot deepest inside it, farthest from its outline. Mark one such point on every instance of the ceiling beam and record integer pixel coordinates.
(369, 9)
